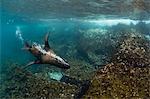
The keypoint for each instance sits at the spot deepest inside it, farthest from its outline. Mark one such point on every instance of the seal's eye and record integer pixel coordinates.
(45, 54)
(57, 60)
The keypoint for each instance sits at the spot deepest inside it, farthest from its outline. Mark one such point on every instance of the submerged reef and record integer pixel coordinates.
(115, 60)
(24, 84)
(128, 73)
(93, 45)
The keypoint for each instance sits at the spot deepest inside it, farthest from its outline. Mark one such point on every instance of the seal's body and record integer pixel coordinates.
(45, 55)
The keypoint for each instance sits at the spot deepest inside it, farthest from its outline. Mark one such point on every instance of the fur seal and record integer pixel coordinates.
(45, 55)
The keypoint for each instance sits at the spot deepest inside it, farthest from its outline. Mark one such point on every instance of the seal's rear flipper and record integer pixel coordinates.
(46, 46)
(27, 46)
(32, 63)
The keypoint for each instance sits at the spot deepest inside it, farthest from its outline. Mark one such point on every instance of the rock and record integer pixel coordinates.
(127, 75)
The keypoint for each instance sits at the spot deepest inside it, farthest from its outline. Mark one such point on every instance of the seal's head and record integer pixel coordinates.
(58, 61)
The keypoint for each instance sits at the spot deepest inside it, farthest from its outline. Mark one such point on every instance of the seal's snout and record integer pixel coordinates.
(66, 66)
(61, 63)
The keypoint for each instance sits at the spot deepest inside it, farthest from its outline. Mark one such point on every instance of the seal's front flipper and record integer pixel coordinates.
(32, 63)
(46, 46)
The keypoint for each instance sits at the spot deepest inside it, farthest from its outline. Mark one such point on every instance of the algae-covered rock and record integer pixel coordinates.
(127, 75)
(80, 70)
(23, 84)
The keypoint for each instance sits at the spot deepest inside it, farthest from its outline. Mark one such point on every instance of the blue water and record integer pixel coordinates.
(62, 31)
(30, 30)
